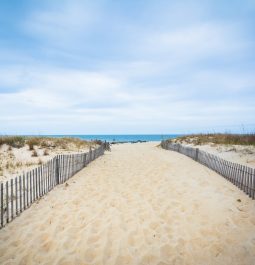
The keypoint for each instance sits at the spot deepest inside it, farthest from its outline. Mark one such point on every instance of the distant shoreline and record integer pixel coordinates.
(116, 138)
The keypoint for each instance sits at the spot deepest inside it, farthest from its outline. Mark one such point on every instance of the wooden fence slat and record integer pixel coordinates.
(219, 165)
(226, 169)
(35, 184)
(65, 167)
(213, 163)
(27, 188)
(43, 178)
(250, 193)
(50, 174)
(223, 168)
(53, 173)
(244, 178)
(238, 182)
(48, 177)
(16, 196)
(70, 166)
(41, 181)
(7, 201)
(237, 179)
(59, 169)
(2, 204)
(20, 195)
(31, 188)
(235, 174)
(33, 180)
(241, 177)
(12, 199)
(24, 191)
(247, 180)
(253, 184)
(231, 172)
(62, 169)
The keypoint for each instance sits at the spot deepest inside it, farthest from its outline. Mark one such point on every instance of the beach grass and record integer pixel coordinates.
(217, 138)
(45, 142)
(13, 141)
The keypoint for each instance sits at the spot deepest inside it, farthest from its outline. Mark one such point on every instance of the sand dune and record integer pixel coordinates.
(138, 204)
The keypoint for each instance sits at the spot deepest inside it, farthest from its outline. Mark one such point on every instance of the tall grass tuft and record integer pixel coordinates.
(34, 154)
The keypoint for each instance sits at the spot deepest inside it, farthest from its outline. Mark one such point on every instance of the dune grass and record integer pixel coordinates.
(45, 142)
(217, 138)
(13, 141)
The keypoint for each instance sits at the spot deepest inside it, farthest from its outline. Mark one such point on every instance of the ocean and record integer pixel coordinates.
(122, 137)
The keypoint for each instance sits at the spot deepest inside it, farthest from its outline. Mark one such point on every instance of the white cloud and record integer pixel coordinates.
(62, 99)
(193, 42)
(156, 75)
(62, 24)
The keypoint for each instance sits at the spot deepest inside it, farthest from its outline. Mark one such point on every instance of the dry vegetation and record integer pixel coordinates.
(18, 153)
(13, 141)
(226, 139)
(45, 142)
(238, 148)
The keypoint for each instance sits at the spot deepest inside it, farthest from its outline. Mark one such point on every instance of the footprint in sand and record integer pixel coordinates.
(154, 225)
(167, 251)
(91, 254)
(124, 260)
(48, 246)
(93, 239)
(163, 263)
(134, 239)
(149, 259)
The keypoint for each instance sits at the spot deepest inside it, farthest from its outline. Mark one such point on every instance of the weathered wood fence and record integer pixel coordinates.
(240, 175)
(17, 194)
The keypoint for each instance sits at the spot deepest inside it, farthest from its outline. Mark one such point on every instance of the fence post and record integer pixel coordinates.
(90, 154)
(57, 170)
(179, 146)
(197, 150)
(2, 204)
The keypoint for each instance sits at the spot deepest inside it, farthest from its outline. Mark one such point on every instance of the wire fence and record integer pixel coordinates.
(241, 176)
(17, 194)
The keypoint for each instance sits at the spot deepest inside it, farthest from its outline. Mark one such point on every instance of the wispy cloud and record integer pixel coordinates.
(62, 24)
(105, 68)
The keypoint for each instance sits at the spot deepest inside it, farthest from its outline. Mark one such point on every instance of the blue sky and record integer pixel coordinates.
(105, 67)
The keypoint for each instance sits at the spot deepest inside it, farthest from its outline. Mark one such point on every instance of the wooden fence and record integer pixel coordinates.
(240, 175)
(17, 194)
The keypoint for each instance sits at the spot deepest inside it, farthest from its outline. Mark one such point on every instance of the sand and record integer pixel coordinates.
(138, 204)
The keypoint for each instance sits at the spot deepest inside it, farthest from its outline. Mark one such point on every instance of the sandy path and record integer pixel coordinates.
(138, 204)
